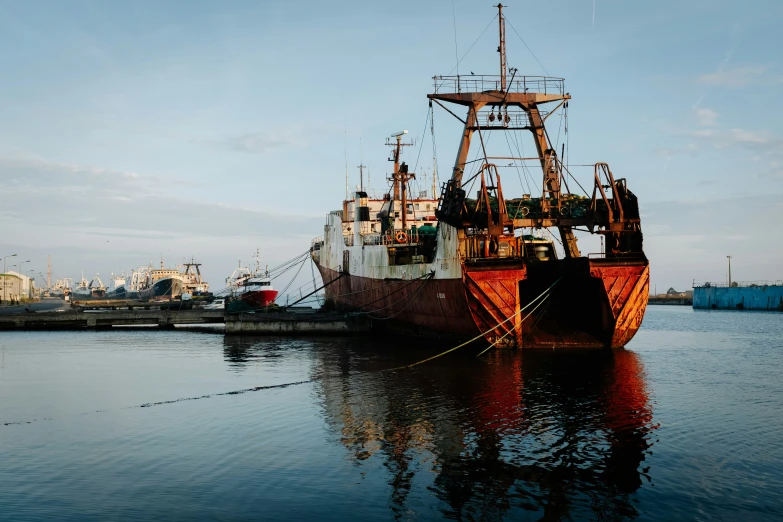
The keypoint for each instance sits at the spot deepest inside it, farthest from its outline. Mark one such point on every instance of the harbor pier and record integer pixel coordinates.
(75, 320)
(277, 323)
(283, 323)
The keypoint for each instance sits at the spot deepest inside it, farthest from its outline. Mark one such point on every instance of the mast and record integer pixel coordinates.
(400, 175)
(525, 94)
(502, 48)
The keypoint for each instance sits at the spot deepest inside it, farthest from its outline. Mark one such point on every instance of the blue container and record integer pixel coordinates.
(738, 298)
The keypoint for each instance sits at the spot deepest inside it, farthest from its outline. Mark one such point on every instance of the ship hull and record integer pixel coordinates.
(590, 303)
(169, 287)
(259, 298)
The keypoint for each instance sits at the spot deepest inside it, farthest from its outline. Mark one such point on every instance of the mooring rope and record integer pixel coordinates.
(523, 320)
(482, 334)
(541, 298)
(410, 298)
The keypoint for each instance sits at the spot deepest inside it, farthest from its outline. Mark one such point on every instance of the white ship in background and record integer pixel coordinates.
(117, 285)
(170, 283)
(89, 289)
(145, 282)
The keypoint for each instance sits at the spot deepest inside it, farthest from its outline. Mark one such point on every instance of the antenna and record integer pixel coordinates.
(456, 49)
(361, 165)
(502, 48)
(347, 188)
(361, 176)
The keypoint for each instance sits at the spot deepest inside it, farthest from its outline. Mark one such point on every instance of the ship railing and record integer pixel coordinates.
(739, 284)
(632, 257)
(478, 247)
(373, 239)
(484, 83)
(384, 239)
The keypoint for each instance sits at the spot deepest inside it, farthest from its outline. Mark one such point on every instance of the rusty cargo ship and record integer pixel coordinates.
(462, 268)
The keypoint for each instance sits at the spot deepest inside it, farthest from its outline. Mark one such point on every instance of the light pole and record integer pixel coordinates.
(21, 272)
(729, 258)
(5, 276)
(12, 295)
(30, 283)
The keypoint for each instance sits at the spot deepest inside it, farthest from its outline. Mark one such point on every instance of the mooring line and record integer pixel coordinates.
(479, 335)
(161, 403)
(541, 298)
(235, 392)
(523, 320)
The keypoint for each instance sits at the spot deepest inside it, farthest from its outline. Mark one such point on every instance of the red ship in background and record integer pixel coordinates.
(250, 290)
(470, 268)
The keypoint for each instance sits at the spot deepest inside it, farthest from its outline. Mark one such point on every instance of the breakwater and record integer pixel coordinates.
(757, 297)
(680, 301)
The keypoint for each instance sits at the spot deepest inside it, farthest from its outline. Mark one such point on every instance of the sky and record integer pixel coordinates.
(131, 131)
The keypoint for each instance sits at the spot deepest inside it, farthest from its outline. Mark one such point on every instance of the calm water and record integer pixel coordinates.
(684, 424)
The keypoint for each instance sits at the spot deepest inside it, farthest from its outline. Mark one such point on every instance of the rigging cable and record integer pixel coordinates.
(434, 150)
(528, 48)
(421, 146)
(428, 278)
(469, 49)
(293, 278)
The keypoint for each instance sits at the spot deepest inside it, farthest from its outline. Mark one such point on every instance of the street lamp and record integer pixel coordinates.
(5, 276)
(21, 272)
(30, 283)
(729, 258)
(12, 295)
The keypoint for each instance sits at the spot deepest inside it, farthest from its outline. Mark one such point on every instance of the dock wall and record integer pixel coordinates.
(78, 320)
(281, 324)
(739, 298)
(680, 301)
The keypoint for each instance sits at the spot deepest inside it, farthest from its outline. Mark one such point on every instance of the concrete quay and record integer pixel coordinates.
(316, 323)
(279, 323)
(75, 320)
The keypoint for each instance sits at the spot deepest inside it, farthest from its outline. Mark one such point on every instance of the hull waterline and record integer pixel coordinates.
(591, 305)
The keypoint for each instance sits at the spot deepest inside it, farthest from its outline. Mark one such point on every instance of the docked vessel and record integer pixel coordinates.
(118, 284)
(161, 283)
(192, 282)
(62, 287)
(89, 289)
(250, 289)
(136, 282)
(489, 266)
(171, 283)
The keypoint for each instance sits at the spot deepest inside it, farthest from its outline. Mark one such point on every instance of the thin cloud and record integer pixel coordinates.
(761, 140)
(669, 152)
(736, 38)
(259, 142)
(735, 77)
(706, 117)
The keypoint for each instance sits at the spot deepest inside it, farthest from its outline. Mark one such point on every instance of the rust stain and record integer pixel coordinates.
(627, 288)
(493, 297)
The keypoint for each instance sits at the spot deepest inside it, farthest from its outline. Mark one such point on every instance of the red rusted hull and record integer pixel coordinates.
(594, 304)
(259, 298)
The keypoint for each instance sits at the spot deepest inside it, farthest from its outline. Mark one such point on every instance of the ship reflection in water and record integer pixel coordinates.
(561, 434)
